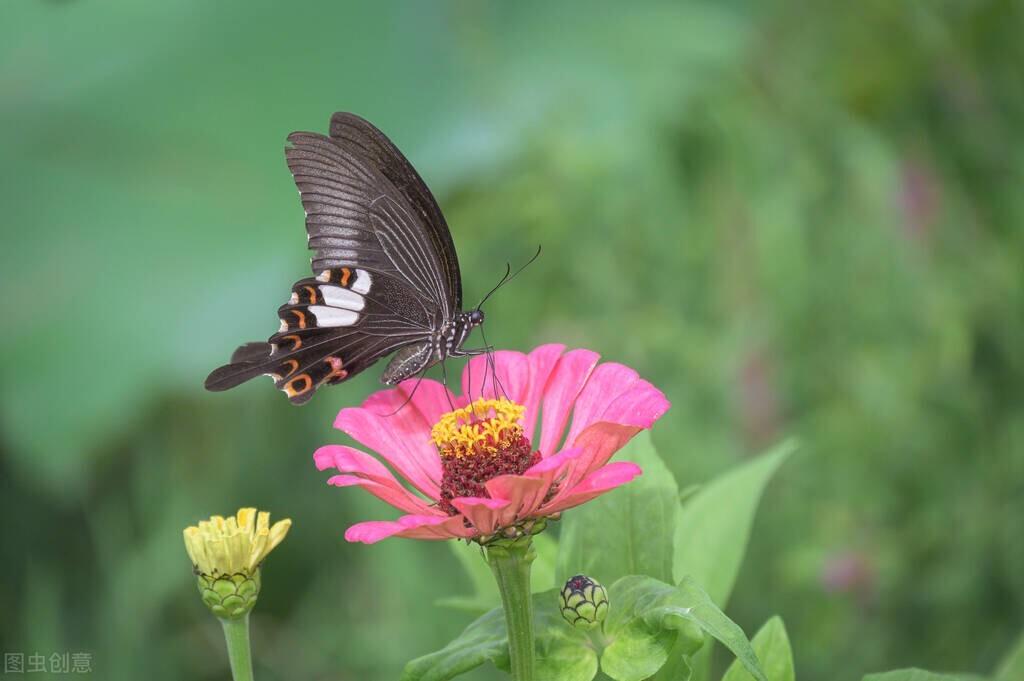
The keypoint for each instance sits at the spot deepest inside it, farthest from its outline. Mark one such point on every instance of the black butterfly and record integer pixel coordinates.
(386, 274)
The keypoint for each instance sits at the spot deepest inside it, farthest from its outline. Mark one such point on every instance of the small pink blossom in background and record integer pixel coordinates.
(849, 572)
(609, 403)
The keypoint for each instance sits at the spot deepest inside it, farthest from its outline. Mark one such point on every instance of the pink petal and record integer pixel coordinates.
(512, 370)
(554, 463)
(616, 393)
(485, 514)
(641, 406)
(594, 485)
(597, 444)
(409, 526)
(370, 474)
(523, 494)
(403, 440)
(556, 467)
(564, 384)
(542, 360)
(605, 383)
(401, 501)
(430, 397)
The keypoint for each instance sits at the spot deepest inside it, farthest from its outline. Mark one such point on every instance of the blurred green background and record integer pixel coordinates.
(795, 218)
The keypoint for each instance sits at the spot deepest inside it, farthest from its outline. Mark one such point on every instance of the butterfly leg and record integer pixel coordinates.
(444, 382)
(408, 399)
(474, 352)
(495, 381)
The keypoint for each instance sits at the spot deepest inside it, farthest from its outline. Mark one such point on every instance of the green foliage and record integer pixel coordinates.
(713, 524)
(628, 531)
(1012, 666)
(646, 620)
(644, 611)
(713, 527)
(563, 652)
(771, 645)
(910, 675)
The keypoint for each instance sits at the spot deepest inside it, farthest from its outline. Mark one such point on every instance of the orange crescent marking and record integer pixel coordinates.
(295, 339)
(312, 293)
(302, 318)
(290, 389)
(336, 368)
(345, 274)
(294, 364)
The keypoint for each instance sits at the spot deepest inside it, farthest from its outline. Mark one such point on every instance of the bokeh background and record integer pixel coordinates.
(796, 218)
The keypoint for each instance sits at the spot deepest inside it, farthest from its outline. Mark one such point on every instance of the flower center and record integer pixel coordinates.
(477, 443)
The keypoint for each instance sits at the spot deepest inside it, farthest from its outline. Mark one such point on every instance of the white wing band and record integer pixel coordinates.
(335, 296)
(332, 316)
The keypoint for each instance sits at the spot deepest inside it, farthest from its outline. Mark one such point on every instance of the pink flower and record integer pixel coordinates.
(489, 467)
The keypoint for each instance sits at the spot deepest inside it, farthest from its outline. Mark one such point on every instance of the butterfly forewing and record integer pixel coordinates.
(352, 130)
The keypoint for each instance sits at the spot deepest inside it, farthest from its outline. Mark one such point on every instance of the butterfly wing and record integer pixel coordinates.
(331, 329)
(386, 271)
(358, 133)
(367, 207)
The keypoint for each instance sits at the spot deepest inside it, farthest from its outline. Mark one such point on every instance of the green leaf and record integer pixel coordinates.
(771, 645)
(649, 619)
(483, 640)
(713, 526)
(1012, 666)
(485, 592)
(909, 675)
(563, 653)
(627, 531)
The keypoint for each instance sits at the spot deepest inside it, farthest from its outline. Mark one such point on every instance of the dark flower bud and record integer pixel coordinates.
(584, 602)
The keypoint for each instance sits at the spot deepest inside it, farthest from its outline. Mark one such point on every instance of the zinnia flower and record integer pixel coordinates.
(501, 465)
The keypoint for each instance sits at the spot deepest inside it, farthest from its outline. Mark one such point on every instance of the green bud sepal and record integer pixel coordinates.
(583, 602)
(229, 596)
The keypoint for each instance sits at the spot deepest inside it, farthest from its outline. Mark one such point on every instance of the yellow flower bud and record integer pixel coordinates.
(239, 544)
(227, 553)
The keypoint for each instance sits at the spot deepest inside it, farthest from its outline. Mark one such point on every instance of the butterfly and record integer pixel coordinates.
(386, 275)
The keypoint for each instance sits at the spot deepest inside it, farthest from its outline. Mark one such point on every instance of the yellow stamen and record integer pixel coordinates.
(235, 545)
(484, 426)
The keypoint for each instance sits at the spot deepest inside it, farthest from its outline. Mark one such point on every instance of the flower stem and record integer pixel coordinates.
(510, 562)
(236, 633)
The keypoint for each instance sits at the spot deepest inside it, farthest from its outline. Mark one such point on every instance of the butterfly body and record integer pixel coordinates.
(413, 360)
(386, 273)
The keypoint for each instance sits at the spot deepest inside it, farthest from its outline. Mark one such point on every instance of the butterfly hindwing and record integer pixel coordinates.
(331, 328)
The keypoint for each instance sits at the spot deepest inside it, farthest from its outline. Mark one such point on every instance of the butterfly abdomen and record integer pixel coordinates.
(408, 362)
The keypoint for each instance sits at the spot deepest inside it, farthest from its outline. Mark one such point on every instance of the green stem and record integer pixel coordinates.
(236, 633)
(510, 562)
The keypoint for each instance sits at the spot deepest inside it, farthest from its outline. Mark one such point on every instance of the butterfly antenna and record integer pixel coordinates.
(501, 282)
(508, 276)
